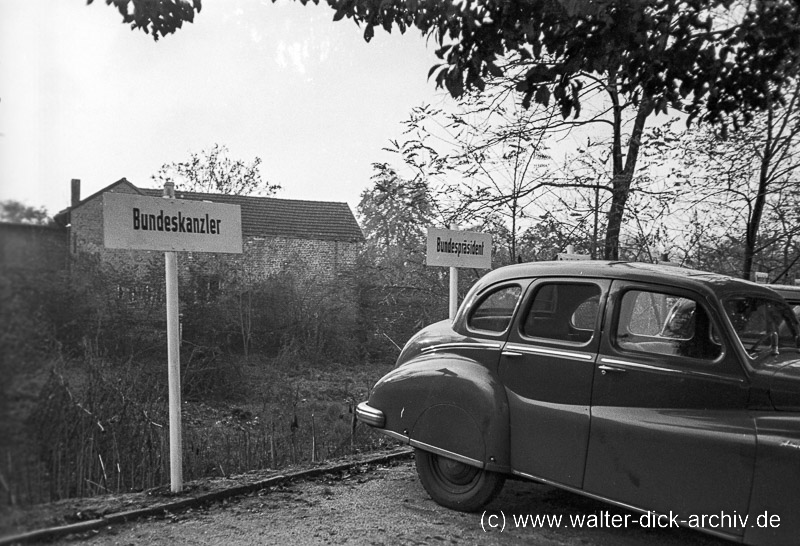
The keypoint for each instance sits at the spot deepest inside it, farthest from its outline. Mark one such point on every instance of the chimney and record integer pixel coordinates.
(76, 191)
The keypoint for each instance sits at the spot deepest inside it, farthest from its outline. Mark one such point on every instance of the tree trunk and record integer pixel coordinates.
(623, 175)
(754, 222)
(514, 231)
(621, 185)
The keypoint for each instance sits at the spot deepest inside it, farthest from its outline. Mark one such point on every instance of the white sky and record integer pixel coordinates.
(84, 96)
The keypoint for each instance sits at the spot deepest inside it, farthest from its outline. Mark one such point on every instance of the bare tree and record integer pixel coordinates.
(751, 178)
(212, 171)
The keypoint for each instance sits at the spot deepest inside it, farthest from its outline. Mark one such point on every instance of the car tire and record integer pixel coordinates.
(457, 485)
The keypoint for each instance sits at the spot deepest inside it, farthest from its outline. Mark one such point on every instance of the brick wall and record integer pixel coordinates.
(306, 259)
(86, 234)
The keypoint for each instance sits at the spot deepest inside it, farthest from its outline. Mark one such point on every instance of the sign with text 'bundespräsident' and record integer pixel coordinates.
(568, 257)
(452, 248)
(139, 222)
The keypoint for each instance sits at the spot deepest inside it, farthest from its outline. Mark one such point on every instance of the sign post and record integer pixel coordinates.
(173, 363)
(132, 221)
(454, 249)
(570, 256)
(453, 301)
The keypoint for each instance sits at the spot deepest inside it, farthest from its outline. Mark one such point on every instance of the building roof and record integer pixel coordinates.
(272, 217)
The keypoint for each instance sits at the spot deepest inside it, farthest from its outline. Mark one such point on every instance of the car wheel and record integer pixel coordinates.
(456, 485)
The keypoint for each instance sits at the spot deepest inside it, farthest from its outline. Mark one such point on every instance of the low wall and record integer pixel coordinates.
(27, 246)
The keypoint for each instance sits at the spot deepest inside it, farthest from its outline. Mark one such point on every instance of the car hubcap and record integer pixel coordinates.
(455, 472)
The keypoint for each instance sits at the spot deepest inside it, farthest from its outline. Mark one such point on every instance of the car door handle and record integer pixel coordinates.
(510, 353)
(604, 369)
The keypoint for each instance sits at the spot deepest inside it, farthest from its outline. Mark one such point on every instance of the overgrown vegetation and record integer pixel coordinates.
(272, 369)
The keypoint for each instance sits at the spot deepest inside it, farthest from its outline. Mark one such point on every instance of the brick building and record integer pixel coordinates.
(312, 239)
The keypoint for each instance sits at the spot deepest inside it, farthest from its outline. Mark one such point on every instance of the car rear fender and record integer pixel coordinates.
(453, 406)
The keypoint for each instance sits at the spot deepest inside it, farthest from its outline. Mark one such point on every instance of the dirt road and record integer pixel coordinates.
(386, 505)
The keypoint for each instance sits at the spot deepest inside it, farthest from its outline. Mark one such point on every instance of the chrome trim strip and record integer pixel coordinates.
(606, 360)
(449, 454)
(395, 435)
(576, 490)
(550, 352)
(632, 508)
(463, 345)
(650, 367)
(445, 453)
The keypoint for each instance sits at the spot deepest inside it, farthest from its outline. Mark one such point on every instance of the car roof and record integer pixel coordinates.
(671, 275)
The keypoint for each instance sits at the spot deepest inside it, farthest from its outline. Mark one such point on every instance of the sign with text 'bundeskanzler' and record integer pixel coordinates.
(139, 222)
(452, 248)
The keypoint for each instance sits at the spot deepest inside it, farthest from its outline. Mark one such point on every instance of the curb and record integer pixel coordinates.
(182, 504)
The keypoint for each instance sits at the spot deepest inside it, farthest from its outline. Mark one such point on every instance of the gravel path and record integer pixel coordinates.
(382, 505)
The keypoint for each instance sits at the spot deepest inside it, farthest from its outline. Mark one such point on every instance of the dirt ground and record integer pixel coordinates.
(377, 504)
(20, 520)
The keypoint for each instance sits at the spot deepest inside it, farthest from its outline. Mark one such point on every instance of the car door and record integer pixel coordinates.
(547, 367)
(670, 430)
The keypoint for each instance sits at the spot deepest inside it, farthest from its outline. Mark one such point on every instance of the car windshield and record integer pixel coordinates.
(764, 326)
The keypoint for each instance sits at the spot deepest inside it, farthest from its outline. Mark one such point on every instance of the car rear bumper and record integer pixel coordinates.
(369, 415)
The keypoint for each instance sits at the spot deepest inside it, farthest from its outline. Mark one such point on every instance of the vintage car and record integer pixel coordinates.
(659, 389)
(791, 293)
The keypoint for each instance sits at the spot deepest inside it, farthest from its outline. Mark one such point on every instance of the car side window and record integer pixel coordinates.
(666, 324)
(563, 312)
(493, 312)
